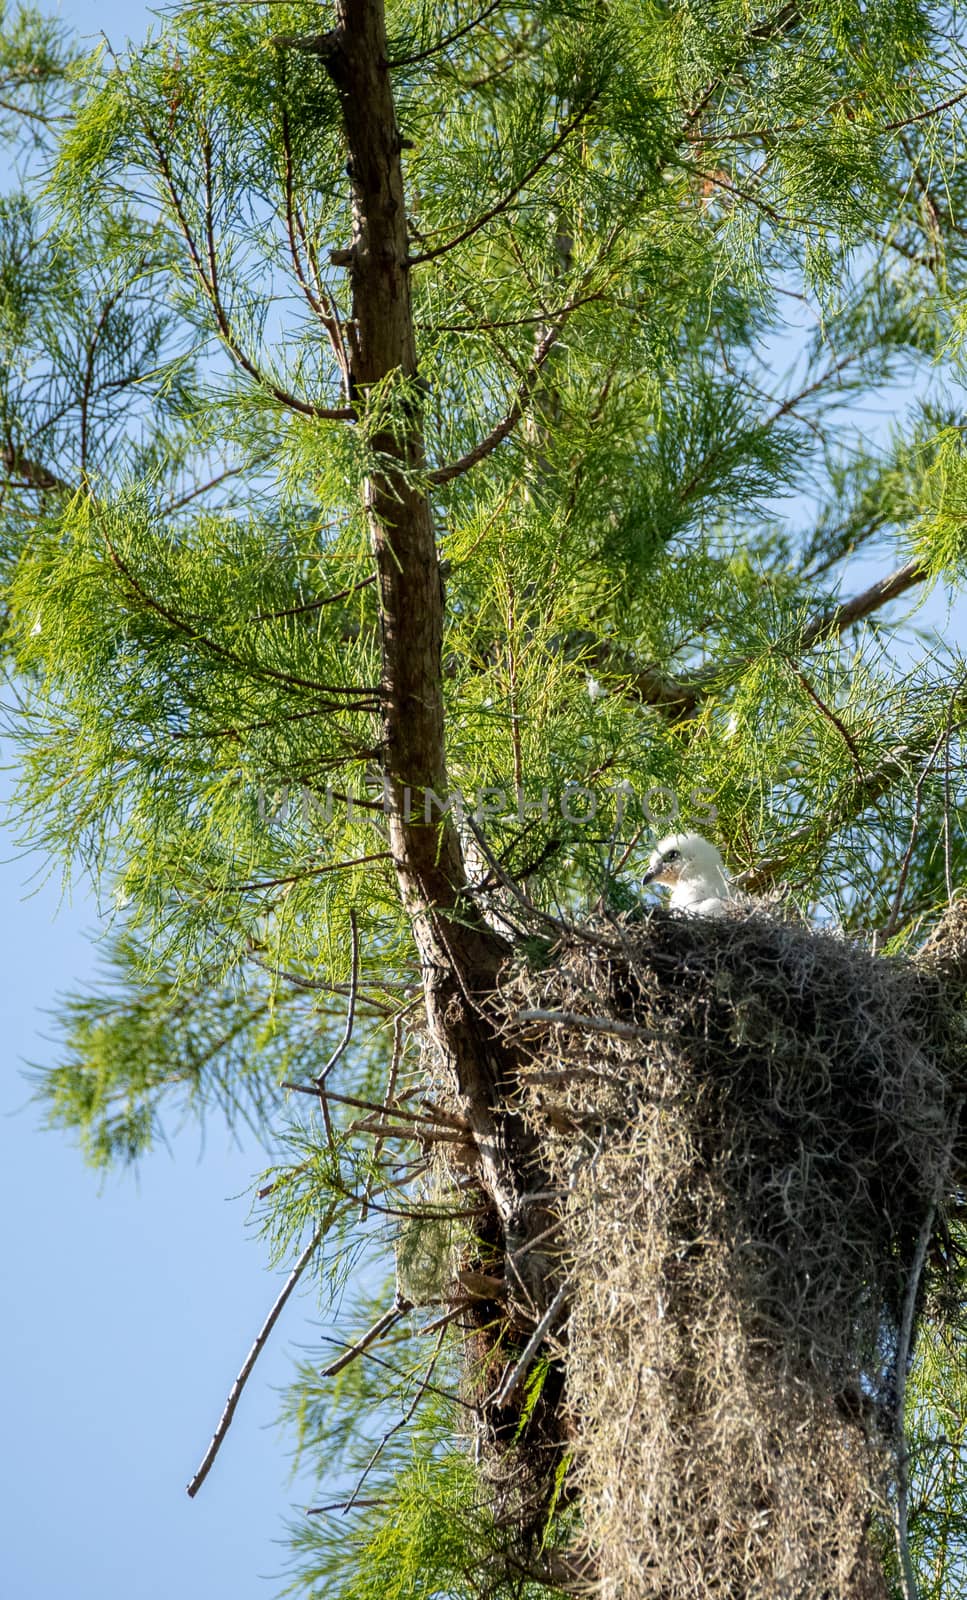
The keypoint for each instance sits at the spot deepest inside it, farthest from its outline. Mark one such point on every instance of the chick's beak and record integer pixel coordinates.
(651, 875)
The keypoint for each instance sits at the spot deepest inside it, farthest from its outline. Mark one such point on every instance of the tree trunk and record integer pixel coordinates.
(460, 955)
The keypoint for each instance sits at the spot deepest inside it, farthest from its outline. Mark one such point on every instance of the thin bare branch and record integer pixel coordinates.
(382, 1325)
(307, 872)
(34, 474)
(515, 1377)
(205, 488)
(832, 717)
(575, 1019)
(317, 605)
(407, 1416)
(208, 281)
(235, 1393)
(923, 116)
(863, 605)
(343, 1044)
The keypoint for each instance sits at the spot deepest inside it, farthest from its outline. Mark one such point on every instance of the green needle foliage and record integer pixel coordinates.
(687, 302)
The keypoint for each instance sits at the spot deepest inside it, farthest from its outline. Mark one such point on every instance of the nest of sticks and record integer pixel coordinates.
(751, 1129)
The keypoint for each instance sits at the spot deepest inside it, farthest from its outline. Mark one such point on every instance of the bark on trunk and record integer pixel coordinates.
(460, 955)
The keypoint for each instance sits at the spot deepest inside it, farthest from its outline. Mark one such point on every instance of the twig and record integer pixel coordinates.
(235, 1393)
(422, 1388)
(508, 199)
(343, 1505)
(914, 834)
(283, 1178)
(514, 1378)
(681, 699)
(310, 985)
(348, 1031)
(947, 836)
(861, 605)
(507, 882)
(394, 1068)
(831, 716)
(407, 1373)
(447, 40)
(448, 1317)
(386, 1130)
(488, 444)
(208, 280)
(316, 605)
(34, 473)
(921, 116)
(373, 1105)
(575, 1019)
(382, 1325)
(203, 488)
(308, 872)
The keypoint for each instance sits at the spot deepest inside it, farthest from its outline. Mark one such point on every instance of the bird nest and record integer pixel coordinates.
(750, 1128)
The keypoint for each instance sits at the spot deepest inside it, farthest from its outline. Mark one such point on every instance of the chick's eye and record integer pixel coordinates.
(673, 855)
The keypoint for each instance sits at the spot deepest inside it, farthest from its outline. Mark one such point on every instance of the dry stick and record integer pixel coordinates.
(574, 1019)
(382, 1325)
(447, 1119)
(311, 985)
(343, 1505)
(372, 1105)
(515, 1377)
(235, 1394)
(406, 1374)
(277, 1183)
(387, 1130)
(910, 1587)
(448, 1317)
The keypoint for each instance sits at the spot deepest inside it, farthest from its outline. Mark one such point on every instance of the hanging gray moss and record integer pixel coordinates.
(749, 1126)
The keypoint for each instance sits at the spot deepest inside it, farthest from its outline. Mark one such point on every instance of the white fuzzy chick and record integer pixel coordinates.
(695, 872)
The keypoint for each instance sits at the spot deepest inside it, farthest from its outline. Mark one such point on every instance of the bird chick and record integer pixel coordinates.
(695, 872)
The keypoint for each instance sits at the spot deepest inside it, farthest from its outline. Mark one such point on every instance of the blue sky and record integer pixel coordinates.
(128, 1303)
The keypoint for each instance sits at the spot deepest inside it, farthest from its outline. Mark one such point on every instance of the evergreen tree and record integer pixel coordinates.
(436, 460)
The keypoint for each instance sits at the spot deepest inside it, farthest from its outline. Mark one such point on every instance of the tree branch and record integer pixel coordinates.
(863, 605)
(208, 281)
(497, 435)
(679, 699)
(235, 1393)
(34, 474)
(508, 199)
(448, 39)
